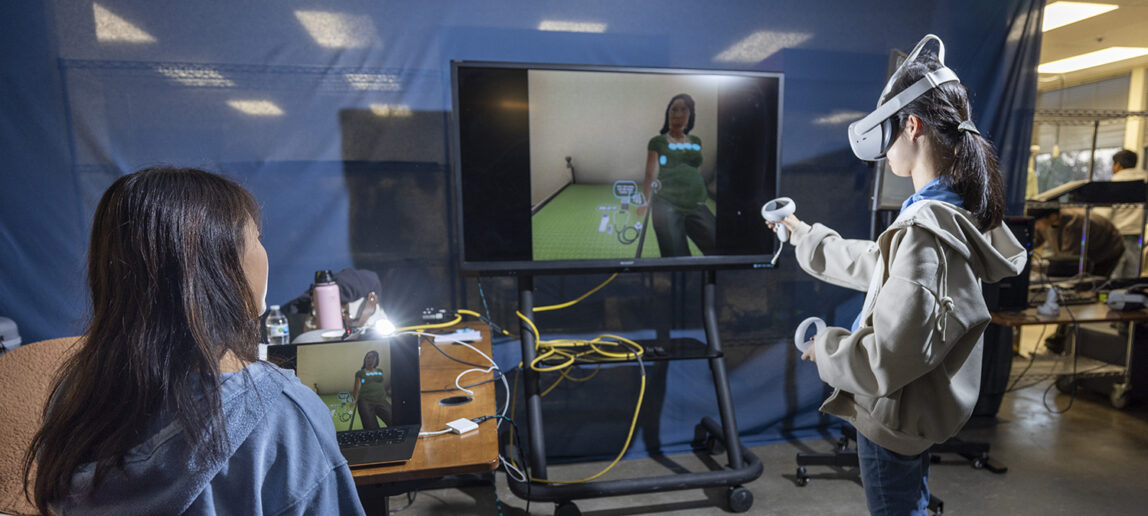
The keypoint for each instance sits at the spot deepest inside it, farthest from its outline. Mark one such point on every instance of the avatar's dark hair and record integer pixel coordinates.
(689, 103)
(169, 299)
(369, 355)
(964, 158)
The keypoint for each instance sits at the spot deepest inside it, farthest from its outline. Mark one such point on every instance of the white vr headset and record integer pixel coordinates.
(871, 136)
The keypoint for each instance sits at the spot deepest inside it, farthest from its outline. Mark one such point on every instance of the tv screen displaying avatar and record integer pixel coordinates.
(584, 168)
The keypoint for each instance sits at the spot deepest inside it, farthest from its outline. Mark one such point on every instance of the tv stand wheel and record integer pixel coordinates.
(802, 477)
(714, 446)
(739, 498)
(1065, 384)
(567, 509)
(1119, 395)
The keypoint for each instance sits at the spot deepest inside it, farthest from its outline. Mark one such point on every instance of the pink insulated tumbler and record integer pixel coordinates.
(328, 310)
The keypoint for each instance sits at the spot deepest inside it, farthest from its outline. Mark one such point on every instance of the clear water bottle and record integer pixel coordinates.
(277, 330)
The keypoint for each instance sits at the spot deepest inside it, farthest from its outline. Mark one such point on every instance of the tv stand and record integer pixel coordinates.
(743, 465)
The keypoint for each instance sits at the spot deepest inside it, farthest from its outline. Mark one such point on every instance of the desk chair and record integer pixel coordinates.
(26, 375)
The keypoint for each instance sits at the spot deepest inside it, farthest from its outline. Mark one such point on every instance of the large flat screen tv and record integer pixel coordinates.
(563, 168)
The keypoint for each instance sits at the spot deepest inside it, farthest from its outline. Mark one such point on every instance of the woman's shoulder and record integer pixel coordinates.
(659, 139)
(695, 139)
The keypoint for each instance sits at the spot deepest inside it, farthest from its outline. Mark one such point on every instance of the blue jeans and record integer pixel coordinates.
(895, 484)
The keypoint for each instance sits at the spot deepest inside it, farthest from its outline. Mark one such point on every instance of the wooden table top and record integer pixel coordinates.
(1070, 314)
(449, 453)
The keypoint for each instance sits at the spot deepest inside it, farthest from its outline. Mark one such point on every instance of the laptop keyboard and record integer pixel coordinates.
(356, 438)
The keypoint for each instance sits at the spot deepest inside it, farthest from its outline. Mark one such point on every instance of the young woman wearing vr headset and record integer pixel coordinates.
(907, 374)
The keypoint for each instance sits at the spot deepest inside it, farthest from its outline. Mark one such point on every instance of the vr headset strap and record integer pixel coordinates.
(889, 108)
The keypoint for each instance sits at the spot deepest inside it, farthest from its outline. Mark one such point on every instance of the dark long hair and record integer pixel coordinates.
(169, 300)
(368, 355)
(689, 103)
(964, 158)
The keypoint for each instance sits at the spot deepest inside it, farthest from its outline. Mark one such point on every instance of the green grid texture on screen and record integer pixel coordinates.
(566, 228)
(339, 412)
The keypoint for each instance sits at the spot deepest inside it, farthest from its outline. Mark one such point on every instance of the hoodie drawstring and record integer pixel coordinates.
(944, 302)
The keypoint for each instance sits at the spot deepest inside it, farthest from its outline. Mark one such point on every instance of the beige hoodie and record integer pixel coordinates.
(910, 375)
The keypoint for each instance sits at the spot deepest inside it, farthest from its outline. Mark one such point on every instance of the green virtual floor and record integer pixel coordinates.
(341, 413)
(583, 222)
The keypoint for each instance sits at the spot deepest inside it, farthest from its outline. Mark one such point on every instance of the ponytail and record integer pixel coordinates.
(975, 176)
(962, 156)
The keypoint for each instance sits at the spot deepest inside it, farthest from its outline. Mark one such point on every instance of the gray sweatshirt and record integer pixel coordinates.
(910, 375)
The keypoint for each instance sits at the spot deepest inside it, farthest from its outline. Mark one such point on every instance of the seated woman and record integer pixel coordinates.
(166, 408)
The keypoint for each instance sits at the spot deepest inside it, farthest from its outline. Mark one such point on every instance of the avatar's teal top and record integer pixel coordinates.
(682, 183)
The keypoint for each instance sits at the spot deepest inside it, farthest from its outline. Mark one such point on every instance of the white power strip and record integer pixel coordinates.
(460, 335)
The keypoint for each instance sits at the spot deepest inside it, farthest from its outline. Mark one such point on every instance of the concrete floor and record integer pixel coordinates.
(1065, 455)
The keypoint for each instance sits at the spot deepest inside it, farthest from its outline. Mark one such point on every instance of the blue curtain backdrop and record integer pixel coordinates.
(336, 115)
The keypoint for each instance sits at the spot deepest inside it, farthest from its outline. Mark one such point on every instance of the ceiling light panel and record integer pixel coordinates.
(339, 30)
(256, 107)
(760, 45)
(1092, 59)
(571, 26)
(1059, 14)
(110, 27)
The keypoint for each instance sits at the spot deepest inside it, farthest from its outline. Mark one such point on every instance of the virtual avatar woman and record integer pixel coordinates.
(679, 204)
(907, 373)
(372, 393)
(166, 409)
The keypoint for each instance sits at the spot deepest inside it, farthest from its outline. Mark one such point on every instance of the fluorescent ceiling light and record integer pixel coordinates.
(838, 117)
(338, 30)
(373, 81)
(110, 27)
(1091, 59)
(760, 45)
(256, 107)
(1059, 14)
(387, 110)
(200, 76)
(569, 26)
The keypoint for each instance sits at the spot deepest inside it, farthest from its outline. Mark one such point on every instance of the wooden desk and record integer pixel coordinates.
(447, 454)
(1081, 314)
(1070, 314)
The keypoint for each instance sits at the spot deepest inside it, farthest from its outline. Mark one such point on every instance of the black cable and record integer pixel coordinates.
(411, 495)
(625, 240)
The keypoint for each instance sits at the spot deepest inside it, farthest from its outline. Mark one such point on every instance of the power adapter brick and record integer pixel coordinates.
(462, 425)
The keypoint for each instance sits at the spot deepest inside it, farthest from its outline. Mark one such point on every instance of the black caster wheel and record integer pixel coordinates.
(802, 477)
(1065, 384)
(1119, 395)
(979, 463)
(739, 498)
(567, 509)
(714, 446)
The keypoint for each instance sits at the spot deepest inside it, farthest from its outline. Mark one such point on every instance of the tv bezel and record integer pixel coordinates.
(538, 267)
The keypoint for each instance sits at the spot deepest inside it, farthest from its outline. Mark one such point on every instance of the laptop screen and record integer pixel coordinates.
(366, 384)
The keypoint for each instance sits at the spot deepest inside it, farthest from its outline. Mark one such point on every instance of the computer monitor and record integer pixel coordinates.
(554, 167)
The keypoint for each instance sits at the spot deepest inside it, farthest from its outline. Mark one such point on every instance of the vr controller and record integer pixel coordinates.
(799, 339)
(777, 209)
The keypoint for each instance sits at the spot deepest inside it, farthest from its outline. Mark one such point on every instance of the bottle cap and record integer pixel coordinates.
(324, 276)
(274, 307)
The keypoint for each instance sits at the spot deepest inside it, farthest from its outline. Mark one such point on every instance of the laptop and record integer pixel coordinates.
(371, 388)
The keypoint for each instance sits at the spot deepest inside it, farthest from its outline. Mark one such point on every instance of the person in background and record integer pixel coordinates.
(907, 373)
(372, 393)
(1128, 218)
(1057, 241)
(166, 409)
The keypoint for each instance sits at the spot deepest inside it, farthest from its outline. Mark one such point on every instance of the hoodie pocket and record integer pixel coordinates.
(887, 410)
